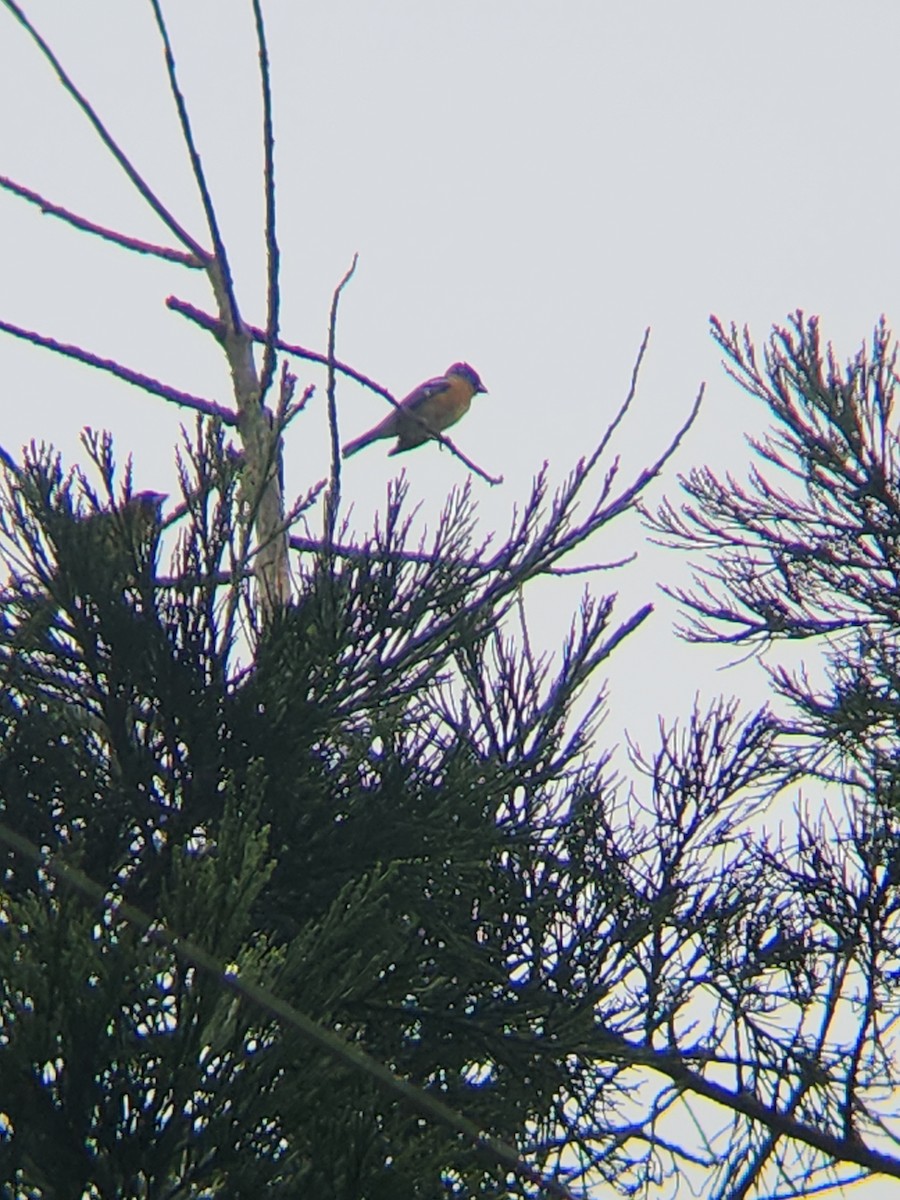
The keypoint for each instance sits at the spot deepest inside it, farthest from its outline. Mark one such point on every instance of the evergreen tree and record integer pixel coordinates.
(806, 552)
(317, 880)
(381, 816)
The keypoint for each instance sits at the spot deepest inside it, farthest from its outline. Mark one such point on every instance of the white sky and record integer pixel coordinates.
(528, 185)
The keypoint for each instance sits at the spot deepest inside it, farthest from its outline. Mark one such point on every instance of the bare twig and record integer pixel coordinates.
(272, 253)
(110, 235)
(603, 511)
(213, 325)
(333, 496)
(222, 273)
(626, 403)
(590, 568)
(526, 635)
(106, 137)
(493, 480)
(146, 382)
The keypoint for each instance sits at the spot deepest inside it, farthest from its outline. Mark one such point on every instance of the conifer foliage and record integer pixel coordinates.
(378, 809)
(318, 879)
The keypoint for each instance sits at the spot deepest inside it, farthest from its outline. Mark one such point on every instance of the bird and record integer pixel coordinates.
(144, 509)
(429, 409)
(112, 544)
(133, 525)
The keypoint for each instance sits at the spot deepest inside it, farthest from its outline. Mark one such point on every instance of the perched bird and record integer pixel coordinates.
(133, 525)
(114, 544)
(430, 408)
(144, 509)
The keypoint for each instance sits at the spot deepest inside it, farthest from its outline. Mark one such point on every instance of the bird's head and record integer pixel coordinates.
(149, 504)
(143, 511)
(469, 374)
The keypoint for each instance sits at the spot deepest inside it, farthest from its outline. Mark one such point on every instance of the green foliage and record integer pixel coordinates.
(370, 820)
(114, 1054)
(386, 810)
(810, 550)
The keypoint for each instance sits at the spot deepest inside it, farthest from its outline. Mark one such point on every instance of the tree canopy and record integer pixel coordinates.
(318, 877)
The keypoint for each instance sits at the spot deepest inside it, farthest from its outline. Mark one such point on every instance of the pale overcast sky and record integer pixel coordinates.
(528, 186)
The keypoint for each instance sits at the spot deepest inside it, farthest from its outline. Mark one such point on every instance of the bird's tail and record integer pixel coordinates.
(359, 443)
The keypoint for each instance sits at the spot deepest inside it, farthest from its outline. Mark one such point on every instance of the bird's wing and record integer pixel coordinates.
(425, 391)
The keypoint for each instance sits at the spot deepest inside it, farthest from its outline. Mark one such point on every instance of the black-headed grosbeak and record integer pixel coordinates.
(430, 408)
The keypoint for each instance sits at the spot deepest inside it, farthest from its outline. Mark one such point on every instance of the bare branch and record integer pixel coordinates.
(333, 495)
(214, 326)
(840, 1149)
(626, 403)
(222, 274)
(101, 231)
(106, 137)
(272, 252)
(559, 541)
(146, 382)
(205, 321)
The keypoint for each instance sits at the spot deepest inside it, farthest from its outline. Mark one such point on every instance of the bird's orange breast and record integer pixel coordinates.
(443, 410)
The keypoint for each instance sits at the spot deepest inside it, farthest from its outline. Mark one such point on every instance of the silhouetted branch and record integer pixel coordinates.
(267, 370)
(146, 382)
(368, 551)
(810, 555)
(333, 495)
(118, 154)
(220, 270)
(626, 403)
(101, 231)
